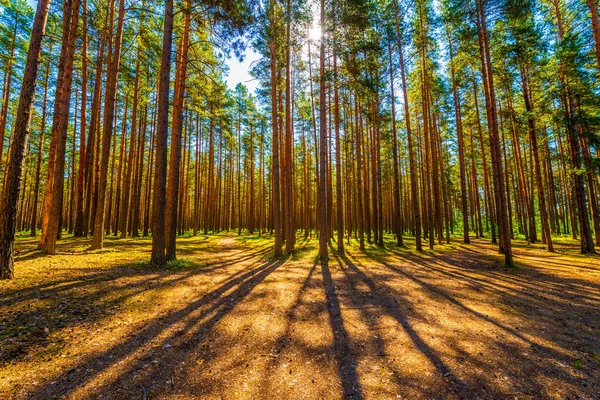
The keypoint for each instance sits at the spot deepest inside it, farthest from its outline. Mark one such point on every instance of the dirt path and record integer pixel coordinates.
(228, 322)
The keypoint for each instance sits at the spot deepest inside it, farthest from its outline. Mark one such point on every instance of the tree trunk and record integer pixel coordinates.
(536, 161)
(323, 146)
(338, 158)
(175, 160)
(500, 189)
(595, 27)
(275, 202)
(14, 172)
(38, 168)
(7, 87)
(56, 163)
(162, 129)
(109, 117)
(411, 152)
(79, 213)
(461, 150)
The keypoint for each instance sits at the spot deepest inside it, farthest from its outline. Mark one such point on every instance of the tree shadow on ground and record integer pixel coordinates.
(33, 316)
(533, 325)
(384, 323)
(194, 319)
(346, 359)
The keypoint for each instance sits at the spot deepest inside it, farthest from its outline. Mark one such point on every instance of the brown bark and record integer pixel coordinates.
(275, 202)
(14, 171)
(125, 202)
(79, 213)
(338, 158)
(397, 214)
(90, 153)
(593, 6)
(536, 161)
(162, 129)
(109, 117)
(323, 146)
(499, 185)
(287, 175)
(461, 144)
(38, 168)
(53, 195)
(176, 131)
(7, 88)
(411, 152)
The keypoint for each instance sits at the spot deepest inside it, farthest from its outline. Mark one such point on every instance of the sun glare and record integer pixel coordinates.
(314, 33)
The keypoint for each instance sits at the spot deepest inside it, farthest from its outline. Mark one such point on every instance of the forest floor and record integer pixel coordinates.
(227, 321)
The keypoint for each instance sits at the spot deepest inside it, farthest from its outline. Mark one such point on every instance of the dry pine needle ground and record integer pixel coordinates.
(226, 321)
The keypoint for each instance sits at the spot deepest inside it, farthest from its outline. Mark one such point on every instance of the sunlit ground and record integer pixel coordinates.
(227, 321)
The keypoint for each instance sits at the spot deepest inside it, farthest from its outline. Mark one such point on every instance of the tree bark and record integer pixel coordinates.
(79, 213)
(162, 129)
(53, 195)
(38, 168)
(275, 201)
(323, 146)
(175, 160)
(411, 152)
(14, 173)
(461, 150)
(109, 117)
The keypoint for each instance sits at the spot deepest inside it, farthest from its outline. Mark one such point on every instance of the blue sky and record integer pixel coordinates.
(239, 71)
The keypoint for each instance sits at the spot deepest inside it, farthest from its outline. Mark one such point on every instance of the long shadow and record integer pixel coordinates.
(346, 359)
(221, 305)
(67, 308)
(537, 281)
(527, 284)
(443, 294)
(85, 299)
(291, 314)
(553, 319)
(478, 264)
(284, 339)
(529, 280)
(368, 306)
(51, 289)
(391, 308)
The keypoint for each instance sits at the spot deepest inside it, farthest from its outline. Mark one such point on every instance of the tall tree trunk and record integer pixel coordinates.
(587, 243)
(125, 203)
(461, 144)
(275, 201)
(14, 173)
(38, 168)
(162, 129)
(7, 88)
(288, 182)
(499, 185)
(338, 156)
(536, 160)
(359, 183)
(79, 213)
(93, 132)
(411, 152)
(397, 214)
(109, 118)
(323, 146)
(593, 6)
(53, 195)
(175, 160)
